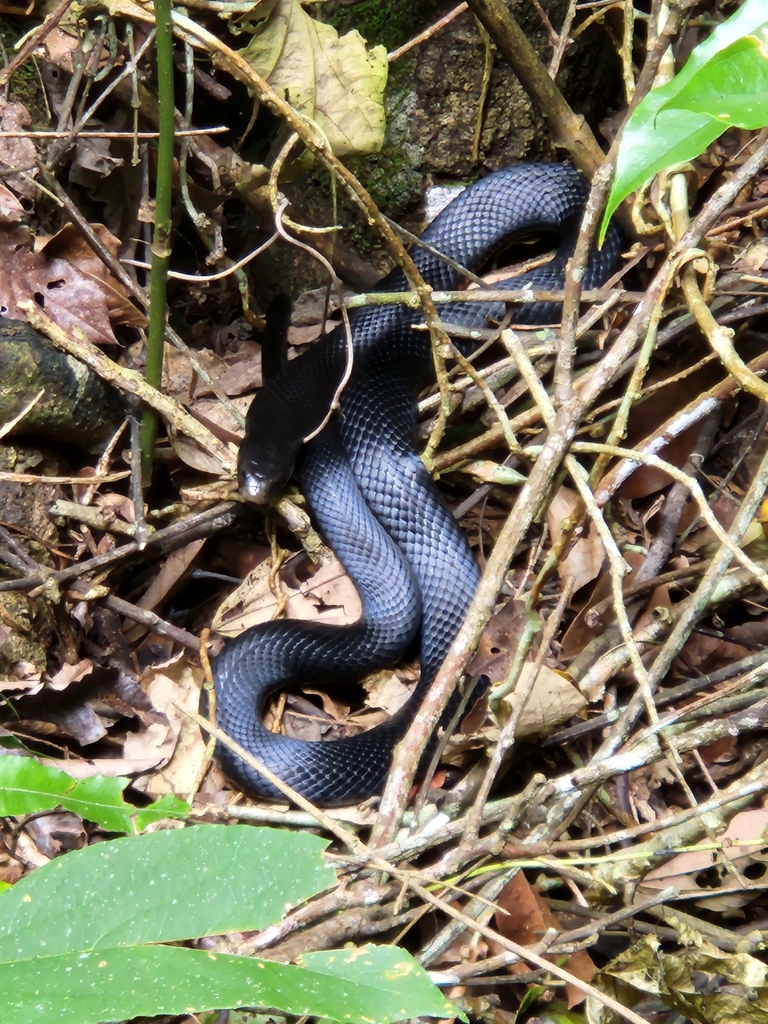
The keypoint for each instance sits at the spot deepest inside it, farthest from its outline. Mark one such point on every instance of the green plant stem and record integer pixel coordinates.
(161, 242)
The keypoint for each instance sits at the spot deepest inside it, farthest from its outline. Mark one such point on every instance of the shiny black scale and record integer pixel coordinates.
(369, 493)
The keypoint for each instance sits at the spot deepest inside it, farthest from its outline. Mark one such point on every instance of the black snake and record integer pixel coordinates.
(370, 495)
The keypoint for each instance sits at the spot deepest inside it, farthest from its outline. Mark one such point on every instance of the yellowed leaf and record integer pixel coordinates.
(335, 80)
(126, 9)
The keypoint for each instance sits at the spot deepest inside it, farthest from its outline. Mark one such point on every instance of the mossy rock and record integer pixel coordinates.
(387, 22)
(26, 623)
(435, 101)
(76, 406)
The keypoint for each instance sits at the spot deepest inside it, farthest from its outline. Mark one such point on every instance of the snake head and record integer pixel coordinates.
(263, 469)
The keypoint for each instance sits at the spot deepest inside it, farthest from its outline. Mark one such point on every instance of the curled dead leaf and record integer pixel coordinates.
(11, 210)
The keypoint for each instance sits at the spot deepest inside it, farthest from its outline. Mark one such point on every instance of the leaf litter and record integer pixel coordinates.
(109, 691)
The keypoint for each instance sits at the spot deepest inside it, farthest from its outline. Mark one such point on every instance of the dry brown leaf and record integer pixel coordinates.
(81, 723)
(499, 642)
(241, 374)
(179, 745)
(586, 625)
(231, 376)
(70, 674)
(299, 718)
(215, 415)
(235, 374)
(553, 700)
(172, 570)
(704, 654)
(69, 245)
(30, 680)
(10, 869)
(26, 851)
(60, 48)
(136, 11)
(386, 691)
(74, 299)
(179, 377)
(112, 767)
(524, 919)
(744, 843)
(116, 506)
(14, 117)
(193, 455)
(645, 480)
(328, 594)
(57, 832)
(92, 161)
(11, 210)
(586, 556)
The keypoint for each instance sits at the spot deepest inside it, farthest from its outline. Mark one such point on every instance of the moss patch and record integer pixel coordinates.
(389, 22)
(25, 85)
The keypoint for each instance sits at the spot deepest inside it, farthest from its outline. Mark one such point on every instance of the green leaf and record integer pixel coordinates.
(26, 786)
(115, 984)
(389, 969)
(167, 806)
(724, 82)
(161, 887)
(733, 87)
(79, 937)
(10, 742)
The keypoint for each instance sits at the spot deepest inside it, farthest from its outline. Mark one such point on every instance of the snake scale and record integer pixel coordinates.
(371, 497)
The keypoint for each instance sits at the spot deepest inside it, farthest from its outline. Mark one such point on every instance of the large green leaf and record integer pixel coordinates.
(733, 87)
(162, 887)
(115, 984)
(26, 786)
(724, 83)
(80, 938)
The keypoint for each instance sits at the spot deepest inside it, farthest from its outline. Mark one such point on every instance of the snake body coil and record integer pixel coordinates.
(370, 495)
